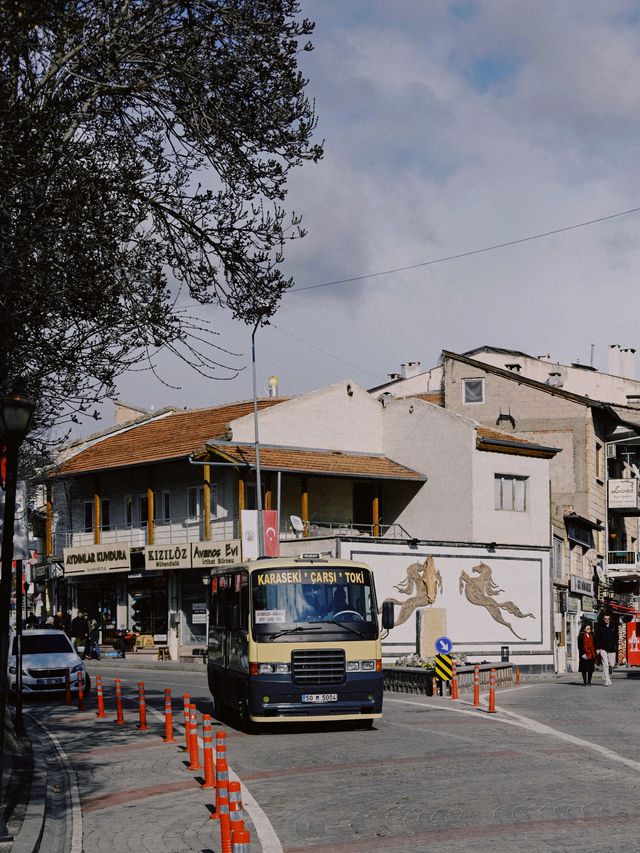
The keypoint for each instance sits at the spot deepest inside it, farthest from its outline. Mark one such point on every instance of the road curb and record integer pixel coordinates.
(29, 836)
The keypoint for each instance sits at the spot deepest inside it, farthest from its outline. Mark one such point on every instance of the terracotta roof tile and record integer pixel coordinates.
(311, 461)
(174, 436)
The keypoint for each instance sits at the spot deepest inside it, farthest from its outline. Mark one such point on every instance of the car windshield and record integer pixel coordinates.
(43, 644)
(303, 598)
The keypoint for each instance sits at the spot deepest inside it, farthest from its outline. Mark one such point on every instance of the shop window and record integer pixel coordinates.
(510, 493)
(472, 391)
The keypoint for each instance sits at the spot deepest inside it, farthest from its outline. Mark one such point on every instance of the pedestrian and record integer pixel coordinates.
(92, 649)
(587, 649)
(58, 621)
(79, 630)
(607, 646)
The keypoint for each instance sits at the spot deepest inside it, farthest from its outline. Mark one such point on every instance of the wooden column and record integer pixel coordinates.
(375, 510)
(207, 501)
(48, 536)
(268, 494)
(151, 514)
(242, 490)
(304, 505)
(97, 521)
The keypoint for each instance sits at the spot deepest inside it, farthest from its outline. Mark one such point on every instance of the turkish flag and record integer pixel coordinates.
(271, 538)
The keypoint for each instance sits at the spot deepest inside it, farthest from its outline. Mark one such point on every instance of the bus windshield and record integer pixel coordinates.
(293, 600)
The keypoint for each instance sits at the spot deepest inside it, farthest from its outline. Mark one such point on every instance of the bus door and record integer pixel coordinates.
(236, 635)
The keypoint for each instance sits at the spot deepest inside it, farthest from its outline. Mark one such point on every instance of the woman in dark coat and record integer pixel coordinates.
(587, 650)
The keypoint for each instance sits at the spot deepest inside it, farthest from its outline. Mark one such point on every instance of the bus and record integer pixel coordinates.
(295, 639)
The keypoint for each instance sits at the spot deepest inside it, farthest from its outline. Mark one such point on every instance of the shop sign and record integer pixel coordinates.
(199, 613)
(41, 573)
(623, 494)
(96, 559)
(582, 586)
(167, 556)
(208, 555)
(573, 604)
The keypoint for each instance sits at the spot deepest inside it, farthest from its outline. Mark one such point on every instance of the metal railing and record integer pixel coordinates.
(166, 532)
(623, 558)
(317, 528)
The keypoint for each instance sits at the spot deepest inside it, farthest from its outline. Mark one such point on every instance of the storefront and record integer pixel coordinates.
(580, 608)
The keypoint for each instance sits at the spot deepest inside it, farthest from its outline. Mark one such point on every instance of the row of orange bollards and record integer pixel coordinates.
(227, 806)
(476, 687)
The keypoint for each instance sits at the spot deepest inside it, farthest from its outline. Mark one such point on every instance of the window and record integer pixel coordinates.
(599, 461)
(556, 556)
(143, 509)
(88, 517)
(195, 501)
(163, 506)
(105, 515)
(473, 391)
(128, 510)
(510, 493)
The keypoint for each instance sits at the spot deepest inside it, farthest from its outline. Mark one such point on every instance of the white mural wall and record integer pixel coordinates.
(485, 598)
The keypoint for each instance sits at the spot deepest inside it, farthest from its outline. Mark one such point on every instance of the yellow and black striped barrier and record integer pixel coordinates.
(444, 667)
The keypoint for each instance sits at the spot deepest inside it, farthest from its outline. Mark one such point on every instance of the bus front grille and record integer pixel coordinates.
(318, 666)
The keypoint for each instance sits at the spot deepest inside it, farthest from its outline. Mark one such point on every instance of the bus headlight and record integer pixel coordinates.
(270, 668)
(283, 668)
(265, 668)
(369, 665)
(353, 665)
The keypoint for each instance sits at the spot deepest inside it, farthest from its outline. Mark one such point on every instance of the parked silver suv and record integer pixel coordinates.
(46, 656)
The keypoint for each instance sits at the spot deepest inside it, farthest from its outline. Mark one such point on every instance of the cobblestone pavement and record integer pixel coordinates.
(555, 769)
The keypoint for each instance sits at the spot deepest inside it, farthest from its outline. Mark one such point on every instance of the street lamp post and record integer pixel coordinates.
(16, 413)
(255, 433)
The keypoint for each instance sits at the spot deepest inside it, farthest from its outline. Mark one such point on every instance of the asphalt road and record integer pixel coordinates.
(556, 769)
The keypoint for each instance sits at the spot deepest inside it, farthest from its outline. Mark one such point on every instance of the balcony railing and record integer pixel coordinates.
(290, 529)
(621, 559)
(177, 531)
(174, 531)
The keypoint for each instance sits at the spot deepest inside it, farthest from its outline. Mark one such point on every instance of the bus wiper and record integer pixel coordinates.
(293, 631)
(343, 625)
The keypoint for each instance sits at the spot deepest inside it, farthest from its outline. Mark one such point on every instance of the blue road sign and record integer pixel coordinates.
(443, 645)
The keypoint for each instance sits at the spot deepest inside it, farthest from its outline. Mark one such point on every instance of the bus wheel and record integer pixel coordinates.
(246, 724)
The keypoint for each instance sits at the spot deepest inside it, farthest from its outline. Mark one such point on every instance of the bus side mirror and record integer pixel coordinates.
(388, 616)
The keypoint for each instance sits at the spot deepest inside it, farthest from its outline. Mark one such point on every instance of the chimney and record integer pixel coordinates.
(614, 360)
(409, 369)
(628, 363)
(273, 386)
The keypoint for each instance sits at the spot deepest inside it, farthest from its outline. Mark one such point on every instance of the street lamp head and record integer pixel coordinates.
(16, 413)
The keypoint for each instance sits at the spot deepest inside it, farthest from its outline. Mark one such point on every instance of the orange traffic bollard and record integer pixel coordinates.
(241, 841)
(142, 708)
(194, 760)
(168, 717)
(476, 687)
(80, 691)
(119, 714)
(454, 683)
(492, 692)
(207, 740)
(517, 676)
(222, 785)
(67, 687)
(186, 700)
(236, 813)
(100, 712)
(225, 825)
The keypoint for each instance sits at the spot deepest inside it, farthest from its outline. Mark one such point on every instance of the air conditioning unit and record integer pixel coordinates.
(612, 450)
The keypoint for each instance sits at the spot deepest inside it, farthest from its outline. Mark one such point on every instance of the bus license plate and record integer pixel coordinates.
(319, 697)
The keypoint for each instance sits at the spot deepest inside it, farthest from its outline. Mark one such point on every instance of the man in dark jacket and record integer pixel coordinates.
(80, 629)
(607, 646)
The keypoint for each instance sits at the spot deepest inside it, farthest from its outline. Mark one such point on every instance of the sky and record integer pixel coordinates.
(450, 127)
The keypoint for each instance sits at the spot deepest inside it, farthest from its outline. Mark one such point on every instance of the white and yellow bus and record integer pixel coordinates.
(295, 639)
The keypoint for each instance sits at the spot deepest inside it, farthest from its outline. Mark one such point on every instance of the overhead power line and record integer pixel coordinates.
(466, 254)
